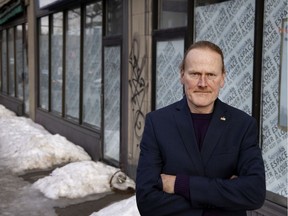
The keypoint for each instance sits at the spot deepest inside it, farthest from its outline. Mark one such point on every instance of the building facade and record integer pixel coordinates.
(90, 70)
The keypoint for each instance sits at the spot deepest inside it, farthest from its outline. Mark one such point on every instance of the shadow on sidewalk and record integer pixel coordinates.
(88, 207)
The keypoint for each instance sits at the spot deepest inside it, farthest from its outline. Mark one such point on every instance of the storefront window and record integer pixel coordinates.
(72, 63)
(19, 63)
(26, 74)
(92, 65)
(274, 74)
(57, 62)
(172, 13)
(75, 56)
(114, 17)
(112, 95)
(14, 69)
(168, 86)
(11, 64)
(44, 62)
(230, 24)
(4, 61)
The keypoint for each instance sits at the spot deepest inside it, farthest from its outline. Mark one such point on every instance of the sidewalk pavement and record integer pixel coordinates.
(84, 208)
(88, 207)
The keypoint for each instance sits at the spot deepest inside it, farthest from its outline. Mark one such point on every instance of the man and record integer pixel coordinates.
(200, 156)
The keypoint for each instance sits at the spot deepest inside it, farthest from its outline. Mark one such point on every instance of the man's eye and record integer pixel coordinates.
(196, 75)
(211, 76)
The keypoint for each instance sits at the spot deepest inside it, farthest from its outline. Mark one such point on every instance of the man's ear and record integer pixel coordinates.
(222, 83)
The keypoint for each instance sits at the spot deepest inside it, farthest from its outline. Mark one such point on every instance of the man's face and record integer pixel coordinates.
(202, 79)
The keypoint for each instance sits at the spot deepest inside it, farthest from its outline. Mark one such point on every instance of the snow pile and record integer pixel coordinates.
(5, 112)
(127, 207)
(26, 145)
(80, 179)
(45, 151)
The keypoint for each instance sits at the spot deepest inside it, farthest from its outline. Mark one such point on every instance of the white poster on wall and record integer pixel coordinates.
(274, 137)
(283, 76)
(168, 86)
(230, 25)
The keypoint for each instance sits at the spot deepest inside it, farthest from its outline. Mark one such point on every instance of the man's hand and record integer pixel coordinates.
(168, 182)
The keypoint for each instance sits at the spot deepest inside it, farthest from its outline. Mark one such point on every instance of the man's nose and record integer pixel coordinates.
(202, 80)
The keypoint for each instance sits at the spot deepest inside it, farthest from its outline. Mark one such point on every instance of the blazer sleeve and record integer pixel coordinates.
(151, 200)
(243, 193)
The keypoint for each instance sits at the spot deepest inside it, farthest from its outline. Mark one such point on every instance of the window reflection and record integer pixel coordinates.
(92, 65)
(72, 63)
(172, 13)
(4, 62)
(114, 17)
(44, 62)
(11, 62)
(19, 65)
(14, 69)
(56, 62)
(112, 102)
(26, 74)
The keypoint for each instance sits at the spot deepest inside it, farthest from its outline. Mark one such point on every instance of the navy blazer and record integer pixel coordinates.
(230, 147)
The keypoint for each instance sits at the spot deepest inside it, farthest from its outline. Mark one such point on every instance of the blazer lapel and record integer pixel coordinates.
(215, 131)
(186, 130)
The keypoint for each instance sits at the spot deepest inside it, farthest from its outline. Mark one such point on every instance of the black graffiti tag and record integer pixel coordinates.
(138, 85)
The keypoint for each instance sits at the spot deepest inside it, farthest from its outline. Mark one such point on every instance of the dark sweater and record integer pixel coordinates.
(200, 124)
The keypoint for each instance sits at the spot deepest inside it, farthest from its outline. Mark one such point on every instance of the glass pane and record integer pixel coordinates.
(168, 86)
(57, 62)
(26, 74)
(230, 24)
(112, 102)
(19, 63)
(274, 135)
(172, 13)
(4, 62)
(72, 63)
(1, 42)
(114, 17)
(44, 62)
(11, 62)
(43, 3)
(92, 65)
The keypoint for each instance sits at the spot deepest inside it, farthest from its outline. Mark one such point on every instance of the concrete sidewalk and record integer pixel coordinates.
(85, 208)
(88, 207)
